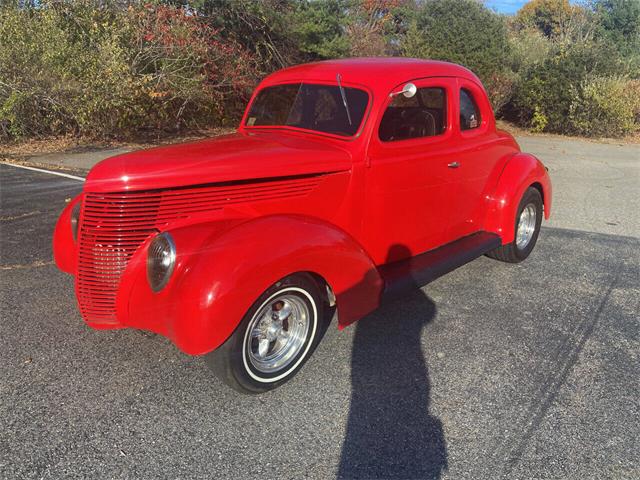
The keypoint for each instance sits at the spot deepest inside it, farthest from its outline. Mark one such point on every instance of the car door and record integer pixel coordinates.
(478, 150)
(410, 183)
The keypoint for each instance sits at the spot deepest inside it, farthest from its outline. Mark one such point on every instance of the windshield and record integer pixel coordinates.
(309, 106)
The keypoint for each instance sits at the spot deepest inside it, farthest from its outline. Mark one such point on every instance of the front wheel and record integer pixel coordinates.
(527, 228)
(274, 339)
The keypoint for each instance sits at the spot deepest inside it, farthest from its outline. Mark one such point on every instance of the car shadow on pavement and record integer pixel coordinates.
(390, 431)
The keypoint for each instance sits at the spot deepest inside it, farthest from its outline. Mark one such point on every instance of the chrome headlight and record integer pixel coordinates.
(161, 258)
(75, 220)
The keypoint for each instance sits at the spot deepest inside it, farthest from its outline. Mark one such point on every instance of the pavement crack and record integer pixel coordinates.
(36, 264)
(8, 218)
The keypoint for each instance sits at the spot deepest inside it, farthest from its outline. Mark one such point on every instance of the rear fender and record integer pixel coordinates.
(520, 172)
(219, 275)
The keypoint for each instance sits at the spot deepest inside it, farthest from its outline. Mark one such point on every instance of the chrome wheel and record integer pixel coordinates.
(526, 226)
(277, 332)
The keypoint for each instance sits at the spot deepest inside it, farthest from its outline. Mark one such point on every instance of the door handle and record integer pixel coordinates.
(454, 165)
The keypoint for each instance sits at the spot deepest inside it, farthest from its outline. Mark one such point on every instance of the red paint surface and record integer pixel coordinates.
(250, 208)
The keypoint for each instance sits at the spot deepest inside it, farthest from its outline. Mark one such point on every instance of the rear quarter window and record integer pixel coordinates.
(469, 111)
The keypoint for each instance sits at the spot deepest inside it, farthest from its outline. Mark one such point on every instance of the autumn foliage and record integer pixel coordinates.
(119, 68)
(75, 68)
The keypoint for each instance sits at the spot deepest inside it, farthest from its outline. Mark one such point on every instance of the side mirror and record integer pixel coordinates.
(409, 90)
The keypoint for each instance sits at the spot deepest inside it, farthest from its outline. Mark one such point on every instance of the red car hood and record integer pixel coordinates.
(238, 156)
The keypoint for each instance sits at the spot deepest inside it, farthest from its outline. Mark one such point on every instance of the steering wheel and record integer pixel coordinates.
(418, 124)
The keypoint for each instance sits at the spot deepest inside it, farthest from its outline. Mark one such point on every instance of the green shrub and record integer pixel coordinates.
(547, 89)
(528, 47)
(500, 87)
(605, 107)
(538, 121)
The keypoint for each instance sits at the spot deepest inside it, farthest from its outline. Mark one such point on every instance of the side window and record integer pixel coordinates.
(469, 111)
(423, 115)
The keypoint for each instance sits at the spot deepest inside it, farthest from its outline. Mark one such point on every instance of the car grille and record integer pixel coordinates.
(114, 225)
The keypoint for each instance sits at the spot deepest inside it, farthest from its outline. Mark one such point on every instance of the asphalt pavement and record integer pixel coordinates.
(493, 371)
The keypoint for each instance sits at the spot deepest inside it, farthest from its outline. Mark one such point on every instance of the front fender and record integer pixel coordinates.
(520, 172)
(64, 247)
(220, 274)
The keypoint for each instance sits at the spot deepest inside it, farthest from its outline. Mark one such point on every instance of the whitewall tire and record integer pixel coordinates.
(275, 337)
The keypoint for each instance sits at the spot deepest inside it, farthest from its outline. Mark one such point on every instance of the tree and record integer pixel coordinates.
(460, 31)
(620, 22)
(546, 15)
(319, 28)
(262, 27)
(370, 22)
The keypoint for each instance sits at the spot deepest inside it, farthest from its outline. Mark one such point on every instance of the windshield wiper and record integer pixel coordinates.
(344, 97)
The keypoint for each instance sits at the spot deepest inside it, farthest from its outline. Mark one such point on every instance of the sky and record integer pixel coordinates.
(505, 6)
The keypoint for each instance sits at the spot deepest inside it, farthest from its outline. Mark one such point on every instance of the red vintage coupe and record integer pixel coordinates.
(347, 183)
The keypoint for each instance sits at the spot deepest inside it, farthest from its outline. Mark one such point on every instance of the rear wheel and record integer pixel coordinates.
(527, 227)
(274, 339)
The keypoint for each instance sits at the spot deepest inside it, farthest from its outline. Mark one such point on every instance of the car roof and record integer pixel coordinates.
(377, 73)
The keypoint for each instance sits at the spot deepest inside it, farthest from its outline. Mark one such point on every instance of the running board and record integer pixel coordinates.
(406, 275)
